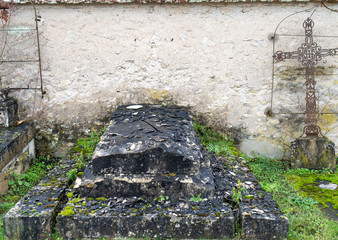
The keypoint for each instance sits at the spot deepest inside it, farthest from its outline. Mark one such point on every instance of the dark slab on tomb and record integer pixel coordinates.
(148, 139)
(148, 150)
(146, 185)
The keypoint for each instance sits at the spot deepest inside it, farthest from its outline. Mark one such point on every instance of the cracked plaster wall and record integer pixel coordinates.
(215, 58)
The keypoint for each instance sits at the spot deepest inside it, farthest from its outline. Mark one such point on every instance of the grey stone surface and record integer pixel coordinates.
(313, 153)
(17, 151)
(134, 217)
(261, 218)
(147, 151)
(33, 217)
(148, 139)
(258, 214)
(8, 109)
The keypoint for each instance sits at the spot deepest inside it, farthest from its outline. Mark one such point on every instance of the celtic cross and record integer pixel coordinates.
(309, 54)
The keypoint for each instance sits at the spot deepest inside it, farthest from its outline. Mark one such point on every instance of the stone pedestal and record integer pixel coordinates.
(8, 109)
(313, 153)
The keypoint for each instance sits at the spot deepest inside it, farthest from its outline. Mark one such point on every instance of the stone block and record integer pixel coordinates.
(145, 185)
(149, 139)
(33, 217)
(135, 218)
(313, 153)
(8, 109)
(17, 151)
(148, 150)
(261, 218)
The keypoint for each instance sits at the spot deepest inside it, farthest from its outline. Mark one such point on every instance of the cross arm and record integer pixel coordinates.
(280, 56)
(329, 52)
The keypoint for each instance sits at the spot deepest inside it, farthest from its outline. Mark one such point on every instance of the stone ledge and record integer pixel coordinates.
(146, 185)
(85, 218)
(33, 217)
(17, 151)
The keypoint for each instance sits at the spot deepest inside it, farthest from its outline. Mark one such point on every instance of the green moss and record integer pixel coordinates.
(50, 205)
(307, 185)
(101, 198)
(249, 196)
(70, 195)
(68, 211)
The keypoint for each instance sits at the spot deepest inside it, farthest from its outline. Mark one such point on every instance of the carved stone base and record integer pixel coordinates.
(313, 153)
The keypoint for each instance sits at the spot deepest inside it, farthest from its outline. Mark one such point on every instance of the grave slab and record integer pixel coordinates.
(148, 151)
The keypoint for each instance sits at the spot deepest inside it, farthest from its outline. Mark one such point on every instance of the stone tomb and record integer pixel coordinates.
(148, 152)
(149, 177)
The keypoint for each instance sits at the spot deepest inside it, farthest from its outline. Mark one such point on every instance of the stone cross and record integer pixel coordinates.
(309, 54)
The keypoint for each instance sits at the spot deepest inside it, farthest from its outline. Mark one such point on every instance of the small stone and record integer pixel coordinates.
(330, 186)
(134, 107)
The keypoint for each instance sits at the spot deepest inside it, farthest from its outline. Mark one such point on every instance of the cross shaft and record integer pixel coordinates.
(309, 54)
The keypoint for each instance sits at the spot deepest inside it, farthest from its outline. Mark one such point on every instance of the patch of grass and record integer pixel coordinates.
(19, 185)
(86, 146)
(306, 220)
(83, 151)
(217, 142)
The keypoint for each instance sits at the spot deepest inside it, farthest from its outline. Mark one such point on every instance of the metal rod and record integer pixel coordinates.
(301, 35)
(280, 74)
(38, 42)
(18, 30)
(24, 88)
(279, 113)
(11, 61)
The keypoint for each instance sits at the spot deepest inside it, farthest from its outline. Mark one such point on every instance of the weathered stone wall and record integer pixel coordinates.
(216, 58)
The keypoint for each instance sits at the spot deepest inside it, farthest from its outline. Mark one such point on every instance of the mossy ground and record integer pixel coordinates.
(307, 182)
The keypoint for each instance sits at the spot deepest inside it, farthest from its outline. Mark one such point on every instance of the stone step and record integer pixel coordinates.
(149, 139)
(135, 218)
(147, 185)
(159, 159)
